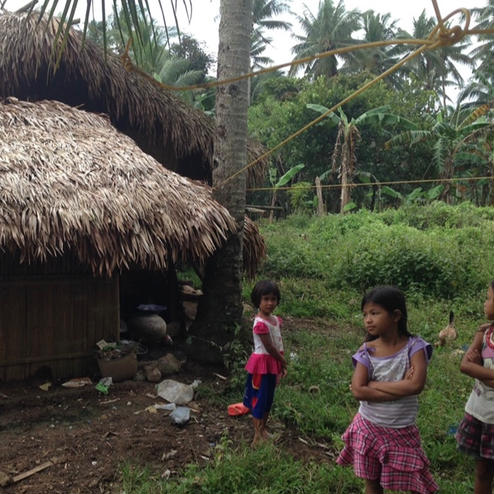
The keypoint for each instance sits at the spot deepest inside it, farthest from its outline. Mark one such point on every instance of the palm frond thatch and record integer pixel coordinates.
(254, 248)
(72, 184)
(177, 135)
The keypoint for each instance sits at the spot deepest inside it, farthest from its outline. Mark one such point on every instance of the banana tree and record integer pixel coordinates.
(344, 157)
(450, 137)
(281, 182)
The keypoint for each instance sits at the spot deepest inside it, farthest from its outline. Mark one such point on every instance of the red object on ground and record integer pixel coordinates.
(236, 409)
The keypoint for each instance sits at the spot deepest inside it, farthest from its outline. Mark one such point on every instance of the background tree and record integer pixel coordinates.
(332, 27)
(221, 306)
(264, 14)
(344, 157)
(437, 69)
(375, 27)
(448, 134)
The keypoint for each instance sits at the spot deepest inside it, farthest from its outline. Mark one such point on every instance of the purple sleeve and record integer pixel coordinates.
(419, 344)
(361, 356)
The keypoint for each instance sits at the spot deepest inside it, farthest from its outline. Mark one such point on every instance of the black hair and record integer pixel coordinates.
(391, 299)
(264, 287)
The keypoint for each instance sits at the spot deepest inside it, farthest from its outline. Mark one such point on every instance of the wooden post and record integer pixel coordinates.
(321, 208)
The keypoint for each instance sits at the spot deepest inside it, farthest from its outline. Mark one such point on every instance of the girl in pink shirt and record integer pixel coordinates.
(266, 364)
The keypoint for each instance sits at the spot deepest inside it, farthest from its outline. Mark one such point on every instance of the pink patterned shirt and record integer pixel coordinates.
(260, 361)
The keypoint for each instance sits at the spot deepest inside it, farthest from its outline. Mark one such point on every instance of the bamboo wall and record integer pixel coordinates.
(53, 320)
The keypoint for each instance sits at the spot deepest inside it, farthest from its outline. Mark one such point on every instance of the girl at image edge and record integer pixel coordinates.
(475, 434)
(382, 442)
(266, 364)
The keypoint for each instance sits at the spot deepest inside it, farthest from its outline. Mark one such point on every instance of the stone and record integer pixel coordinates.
(153, 374)
(169, 364)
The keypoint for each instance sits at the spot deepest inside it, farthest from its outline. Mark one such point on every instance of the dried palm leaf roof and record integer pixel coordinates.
(71, 183)
(177, 135)
(254, 248)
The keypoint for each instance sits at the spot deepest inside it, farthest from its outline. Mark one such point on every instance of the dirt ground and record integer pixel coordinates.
(87, 435)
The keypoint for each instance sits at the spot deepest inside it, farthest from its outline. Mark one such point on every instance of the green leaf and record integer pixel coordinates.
(435, 192)
(391, 192)
(289, 175)
(415, 194)
(334, 119)
(349, 206)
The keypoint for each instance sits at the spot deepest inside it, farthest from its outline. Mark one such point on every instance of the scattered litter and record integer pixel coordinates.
(452, 430)
(45, 387)
(223, 378)
(102, 344)
(149, 395)
(303, 441)
(167, 406)
(109, 433)
(6, 479)
(104, 384)
(180, 416)
(3, 395)
(170, 454)
(166, 474)
(204, 457)
(175, 392)
(195, 383)
(77, 382)
(107, 402)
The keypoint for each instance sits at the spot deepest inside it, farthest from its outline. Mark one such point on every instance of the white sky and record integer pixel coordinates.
(205, 19)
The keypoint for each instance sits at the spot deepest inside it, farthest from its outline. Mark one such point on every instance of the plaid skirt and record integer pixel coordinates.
(392, 456)
(475, 437)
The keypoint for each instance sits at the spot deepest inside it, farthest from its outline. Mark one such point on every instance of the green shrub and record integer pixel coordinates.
(436, 250)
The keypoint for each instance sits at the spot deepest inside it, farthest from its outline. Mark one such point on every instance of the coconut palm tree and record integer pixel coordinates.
(375, 27)
(438, 69)
(264, 14)
(480, 88)
(483, 52)
(332, 27)
(221, 306)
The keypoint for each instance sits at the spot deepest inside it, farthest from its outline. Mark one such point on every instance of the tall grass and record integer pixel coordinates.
(441, 255)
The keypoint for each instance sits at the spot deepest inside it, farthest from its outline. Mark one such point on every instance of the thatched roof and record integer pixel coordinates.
(72, 184)
(177, 135)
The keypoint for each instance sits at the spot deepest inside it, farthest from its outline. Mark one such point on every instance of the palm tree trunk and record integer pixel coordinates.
(220, 309)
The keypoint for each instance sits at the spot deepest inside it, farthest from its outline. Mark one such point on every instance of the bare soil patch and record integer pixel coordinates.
(88, 435)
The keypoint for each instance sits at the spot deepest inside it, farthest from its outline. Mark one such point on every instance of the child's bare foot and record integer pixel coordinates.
(258, 439)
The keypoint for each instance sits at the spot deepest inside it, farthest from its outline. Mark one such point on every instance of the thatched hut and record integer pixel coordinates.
(79, 202)
(175, 134)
